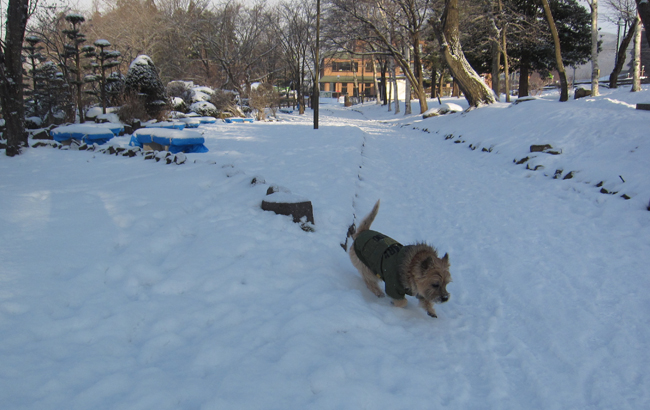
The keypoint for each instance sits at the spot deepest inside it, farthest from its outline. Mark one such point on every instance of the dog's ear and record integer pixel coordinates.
(425, 264)
(445, 259)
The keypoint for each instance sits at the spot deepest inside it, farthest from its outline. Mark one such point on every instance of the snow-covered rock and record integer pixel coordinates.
(445, 108)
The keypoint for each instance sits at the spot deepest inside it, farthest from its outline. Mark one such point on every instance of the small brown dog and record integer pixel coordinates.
(414, 270)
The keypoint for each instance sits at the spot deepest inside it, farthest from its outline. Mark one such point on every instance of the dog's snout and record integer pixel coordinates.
(444, 298)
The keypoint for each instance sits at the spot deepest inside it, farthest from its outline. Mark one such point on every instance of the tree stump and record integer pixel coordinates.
(283, 203)
(582, 92)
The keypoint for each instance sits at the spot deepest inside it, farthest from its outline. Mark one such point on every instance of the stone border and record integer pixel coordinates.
(542, 149)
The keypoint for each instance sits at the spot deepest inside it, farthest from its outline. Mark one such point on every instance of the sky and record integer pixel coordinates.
(602, 21)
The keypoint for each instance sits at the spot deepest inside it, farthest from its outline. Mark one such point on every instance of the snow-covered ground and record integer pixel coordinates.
(130, 284)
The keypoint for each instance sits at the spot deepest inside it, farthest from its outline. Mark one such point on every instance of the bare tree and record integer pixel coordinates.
(239, 39)
(11, 75)
(134, 25)
(622, 54)
(636, 82)
(295, 30)
(624, 12)
(564, 91)
(644, 12)
(448, 33)
(595, 71)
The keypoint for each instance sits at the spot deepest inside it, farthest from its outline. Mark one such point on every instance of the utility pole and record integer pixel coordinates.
(316, 99)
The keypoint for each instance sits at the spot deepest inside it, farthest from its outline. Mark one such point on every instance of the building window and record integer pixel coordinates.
(344, 66)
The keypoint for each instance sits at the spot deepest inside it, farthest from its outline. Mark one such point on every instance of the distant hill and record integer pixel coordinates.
(606, 59)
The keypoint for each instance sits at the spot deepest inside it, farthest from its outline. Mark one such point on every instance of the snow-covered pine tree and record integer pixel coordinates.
(143, 81)
(34, 57)
(104, 61)
(74, 52)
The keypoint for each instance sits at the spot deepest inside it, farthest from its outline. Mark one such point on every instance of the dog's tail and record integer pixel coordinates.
(364, 225)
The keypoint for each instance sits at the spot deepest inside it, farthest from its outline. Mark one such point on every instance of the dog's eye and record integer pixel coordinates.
(435, 285)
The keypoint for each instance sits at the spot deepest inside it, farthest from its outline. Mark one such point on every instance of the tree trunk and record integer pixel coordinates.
(636, 82)
(374, 76)
(389, 92)
(384, 84)
(496, 68)
(301, 89)
(506, 68)
(433, 82)
(79, 84)
(622, 54)
(355, 79)
(419, 74)
(564, 92)
(407, 94)
(595, 71)
(11, 77)
(440, 86)
(475, 90)
(524, 72)
(363, 80)
(396, 96)
(643, 6)
(455, 89)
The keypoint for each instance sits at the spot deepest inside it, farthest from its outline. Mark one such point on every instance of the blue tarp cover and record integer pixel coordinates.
(89, 133)
(178, 141)
(176, 125)
(238, 120)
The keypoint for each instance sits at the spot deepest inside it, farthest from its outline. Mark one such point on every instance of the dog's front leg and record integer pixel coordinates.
(399, 302)
(428, 306)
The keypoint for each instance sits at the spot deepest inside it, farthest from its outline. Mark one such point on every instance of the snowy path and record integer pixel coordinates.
(166, 287)
(538, 298)
(537, 305)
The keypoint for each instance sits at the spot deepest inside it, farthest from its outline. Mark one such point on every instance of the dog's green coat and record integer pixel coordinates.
(383, 256)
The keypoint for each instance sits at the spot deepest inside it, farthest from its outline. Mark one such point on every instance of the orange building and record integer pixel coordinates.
(339, 70)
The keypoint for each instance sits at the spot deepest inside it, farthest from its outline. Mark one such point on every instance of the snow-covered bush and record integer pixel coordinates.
(132, 108)
(181, 89)
(143, 81)
(178, 104)
(201, 93)
(204, 109)
(225, 101)
(263, 96)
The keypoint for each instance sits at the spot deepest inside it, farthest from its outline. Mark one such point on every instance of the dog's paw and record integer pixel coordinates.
(400, 303)
(432, 314)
